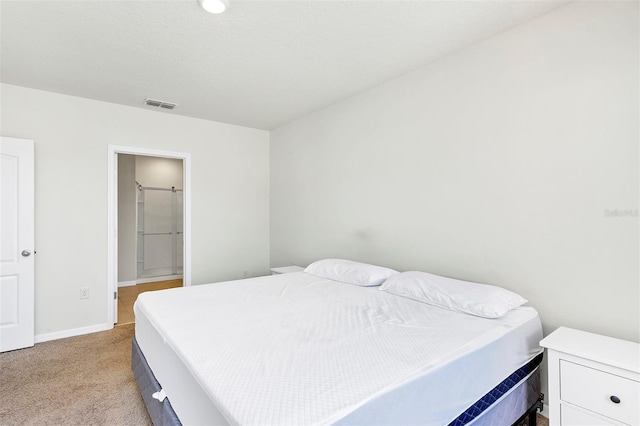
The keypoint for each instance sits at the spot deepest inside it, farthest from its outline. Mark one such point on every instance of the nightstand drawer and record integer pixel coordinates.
(572, 416)
(594, 390)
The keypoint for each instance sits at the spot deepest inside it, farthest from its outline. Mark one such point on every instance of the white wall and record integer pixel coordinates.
(126, 218)
(495, 164)
(159, 172)
(230, 195)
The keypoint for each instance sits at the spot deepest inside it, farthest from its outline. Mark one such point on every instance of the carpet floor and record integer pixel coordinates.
(83, 380)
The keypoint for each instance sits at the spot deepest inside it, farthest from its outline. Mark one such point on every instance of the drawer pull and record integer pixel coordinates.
(614, 399)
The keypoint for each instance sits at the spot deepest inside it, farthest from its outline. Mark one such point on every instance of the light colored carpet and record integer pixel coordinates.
(83, 380)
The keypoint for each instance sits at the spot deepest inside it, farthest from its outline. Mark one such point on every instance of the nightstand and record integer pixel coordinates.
(286, 270)
(593, 380)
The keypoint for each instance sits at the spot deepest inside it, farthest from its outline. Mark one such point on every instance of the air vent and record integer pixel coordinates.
(167, 105)
(152, 102)
(161, 104)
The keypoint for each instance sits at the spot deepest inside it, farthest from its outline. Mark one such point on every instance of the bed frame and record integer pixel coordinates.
(162, 413)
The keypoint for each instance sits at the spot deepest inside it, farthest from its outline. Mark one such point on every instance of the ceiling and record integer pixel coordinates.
(261, 64)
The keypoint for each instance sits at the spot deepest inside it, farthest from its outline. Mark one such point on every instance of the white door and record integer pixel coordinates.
(16, 244)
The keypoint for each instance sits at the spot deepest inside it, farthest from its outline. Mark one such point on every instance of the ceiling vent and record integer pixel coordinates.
(161, 104)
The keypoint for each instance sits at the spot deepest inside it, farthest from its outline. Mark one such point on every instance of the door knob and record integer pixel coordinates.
(26, 253)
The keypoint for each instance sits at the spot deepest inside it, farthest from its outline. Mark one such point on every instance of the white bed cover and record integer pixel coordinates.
(297, 349)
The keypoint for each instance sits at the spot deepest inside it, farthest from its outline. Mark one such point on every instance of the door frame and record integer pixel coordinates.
(112, 220)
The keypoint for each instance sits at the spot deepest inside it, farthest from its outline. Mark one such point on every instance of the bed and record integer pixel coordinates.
(297, 349)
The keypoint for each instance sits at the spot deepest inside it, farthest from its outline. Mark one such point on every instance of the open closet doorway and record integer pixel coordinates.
(149, 225)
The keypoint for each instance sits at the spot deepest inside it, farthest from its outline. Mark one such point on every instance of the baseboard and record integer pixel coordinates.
(126, 283)
(39, 338)
(545, 411)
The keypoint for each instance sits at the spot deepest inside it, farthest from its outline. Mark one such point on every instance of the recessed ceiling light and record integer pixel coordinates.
(214, 6)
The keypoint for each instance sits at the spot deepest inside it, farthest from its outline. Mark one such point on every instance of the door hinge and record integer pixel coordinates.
(115, 295)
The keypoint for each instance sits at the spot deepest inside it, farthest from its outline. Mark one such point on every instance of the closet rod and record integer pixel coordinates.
(172, 189)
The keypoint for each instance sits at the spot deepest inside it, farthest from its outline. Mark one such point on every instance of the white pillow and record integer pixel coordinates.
(348, 271)
(483, 300)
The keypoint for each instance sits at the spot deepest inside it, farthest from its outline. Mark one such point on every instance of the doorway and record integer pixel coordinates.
(149, 220)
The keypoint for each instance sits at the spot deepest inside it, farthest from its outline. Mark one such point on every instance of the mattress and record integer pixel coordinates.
(298, 349)
(509, 403)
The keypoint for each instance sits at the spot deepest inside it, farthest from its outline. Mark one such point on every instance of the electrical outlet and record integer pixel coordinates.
(84, 292)
(245, 273)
